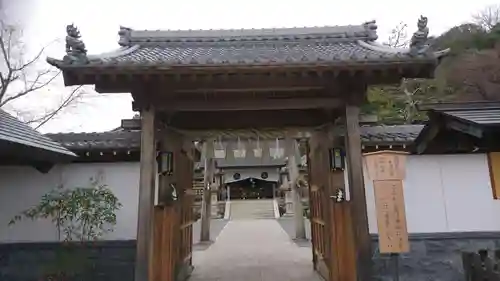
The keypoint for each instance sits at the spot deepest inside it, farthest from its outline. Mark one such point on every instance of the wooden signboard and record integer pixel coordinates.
(391, 216)
(386, 165)
(387, 170)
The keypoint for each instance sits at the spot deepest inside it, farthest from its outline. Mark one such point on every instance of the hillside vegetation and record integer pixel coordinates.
(471, 72)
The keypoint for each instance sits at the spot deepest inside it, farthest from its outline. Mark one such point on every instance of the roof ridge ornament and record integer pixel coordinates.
(419, 41)
(75, 48)
(371, 29)
(125, 33)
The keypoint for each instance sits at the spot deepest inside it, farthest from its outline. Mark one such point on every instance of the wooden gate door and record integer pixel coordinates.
(331, 232)
(318, 213)
(173, 217)
(185, 201)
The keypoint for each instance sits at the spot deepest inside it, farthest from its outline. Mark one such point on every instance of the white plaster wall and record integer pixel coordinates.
(22, 187)
(445, 193)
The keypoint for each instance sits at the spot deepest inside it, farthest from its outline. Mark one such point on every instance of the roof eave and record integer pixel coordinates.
(159, 67)
(444, 106)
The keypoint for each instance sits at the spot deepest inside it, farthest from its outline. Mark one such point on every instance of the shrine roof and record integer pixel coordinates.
(22, 143)
(290, 46)
(469, 126)
(130, 139)
(485, 113)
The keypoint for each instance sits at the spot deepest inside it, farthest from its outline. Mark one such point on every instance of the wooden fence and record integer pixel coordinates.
(481, 266)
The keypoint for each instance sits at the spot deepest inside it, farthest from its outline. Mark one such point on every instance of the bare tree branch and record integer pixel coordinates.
(477, 75)
(30, 62)
(5, 79)
(21, 76)
(31, 86)
(70, 99)
(399, 36)
(488, 18)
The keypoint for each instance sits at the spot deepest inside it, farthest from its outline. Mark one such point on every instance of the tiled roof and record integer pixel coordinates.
(396, 134)
(15, 131)
(332, 45)
(483, 113)
(113, 140)
(130, 140)
(479, 116)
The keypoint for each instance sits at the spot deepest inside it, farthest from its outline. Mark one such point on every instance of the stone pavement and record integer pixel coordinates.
(253, 250)
(288, 225)
(216, 226)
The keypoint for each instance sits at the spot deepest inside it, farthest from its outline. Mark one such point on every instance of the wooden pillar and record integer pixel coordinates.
(169, 141)
(143, 258)
(291, 151)
(357, 193)
(206, 205)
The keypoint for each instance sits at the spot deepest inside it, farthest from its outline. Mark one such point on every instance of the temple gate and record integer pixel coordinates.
(293, 82)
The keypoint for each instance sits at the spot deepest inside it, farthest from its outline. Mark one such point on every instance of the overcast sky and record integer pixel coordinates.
(99, 20)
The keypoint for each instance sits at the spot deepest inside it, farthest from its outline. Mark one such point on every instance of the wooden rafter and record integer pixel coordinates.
(226, 120)
(119, 80)
(176, 105)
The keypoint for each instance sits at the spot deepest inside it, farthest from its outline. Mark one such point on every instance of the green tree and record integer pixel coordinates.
(396, 104)
(81, 215)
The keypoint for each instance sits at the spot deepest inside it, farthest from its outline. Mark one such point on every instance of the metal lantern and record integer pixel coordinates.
(165, 161)
(337, 159)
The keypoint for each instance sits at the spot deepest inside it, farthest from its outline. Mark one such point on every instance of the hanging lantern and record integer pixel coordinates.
(337, 159)
(165, 160)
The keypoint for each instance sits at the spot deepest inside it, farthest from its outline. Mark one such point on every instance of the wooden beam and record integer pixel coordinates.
(243, 104)
(464, 127)
(357, 194)
(143, 269)
(298, 212)
(451, 106)
(223, 120)
(251, 81)
(206, 209)
(298, 133)
(426, 136)
(103, 77)
(217, 82)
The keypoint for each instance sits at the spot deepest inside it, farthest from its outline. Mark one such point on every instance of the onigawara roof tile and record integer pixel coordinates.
(130, 140)
(307, 45)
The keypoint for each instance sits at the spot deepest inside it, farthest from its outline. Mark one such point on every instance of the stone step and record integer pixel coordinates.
(252, 209)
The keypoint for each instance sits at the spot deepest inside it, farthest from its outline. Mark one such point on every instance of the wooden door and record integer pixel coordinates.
(186, 216)
(173, 216)
(331, 229)
(318, 210)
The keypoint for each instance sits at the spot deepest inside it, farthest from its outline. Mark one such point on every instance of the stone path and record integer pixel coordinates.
(216, 226)
(253, 250)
